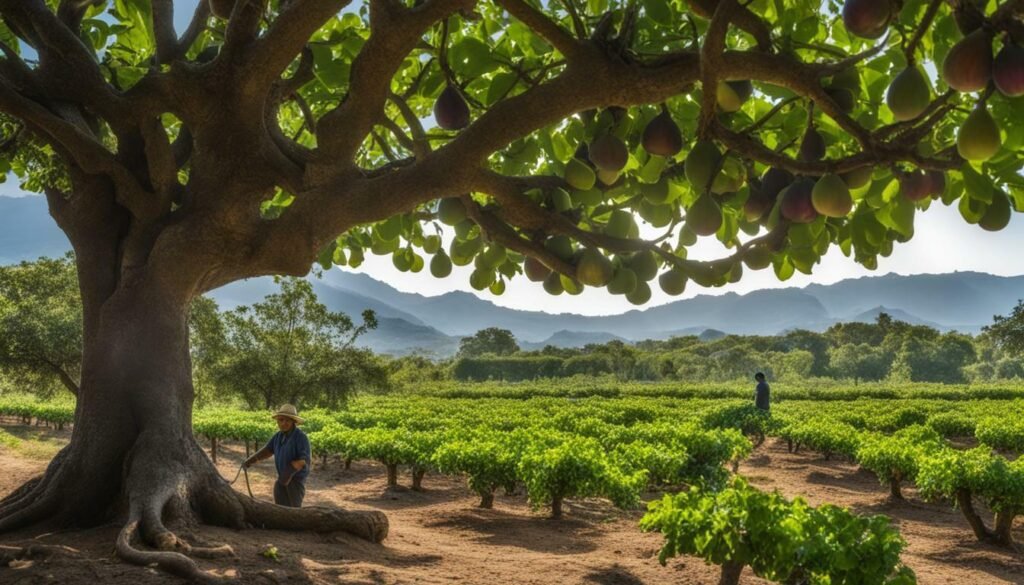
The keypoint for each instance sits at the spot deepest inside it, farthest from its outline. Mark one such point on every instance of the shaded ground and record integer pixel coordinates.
(439, 536)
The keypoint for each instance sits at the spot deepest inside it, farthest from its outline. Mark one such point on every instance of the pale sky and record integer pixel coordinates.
(943, 242)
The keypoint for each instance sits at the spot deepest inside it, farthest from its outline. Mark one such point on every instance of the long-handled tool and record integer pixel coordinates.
(242, 468)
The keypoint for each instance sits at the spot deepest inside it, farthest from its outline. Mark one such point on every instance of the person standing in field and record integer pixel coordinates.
(762, 393)
(290, 448)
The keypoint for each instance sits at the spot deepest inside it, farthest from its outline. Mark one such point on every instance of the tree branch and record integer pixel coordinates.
(289, 34)
(163, 30)
(710, 62)
(922, 27)
(548, 29)
(394, 32)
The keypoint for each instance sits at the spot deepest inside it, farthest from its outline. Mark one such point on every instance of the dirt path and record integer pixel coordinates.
(439, 536)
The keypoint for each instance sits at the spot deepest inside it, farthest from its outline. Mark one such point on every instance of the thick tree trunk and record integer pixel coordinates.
(132, 451)
(392, 474)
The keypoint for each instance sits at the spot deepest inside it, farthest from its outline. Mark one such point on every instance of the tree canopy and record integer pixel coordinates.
(41, 320)
(288, 348)
(537, 132)
(492, 340)
(1008, 331)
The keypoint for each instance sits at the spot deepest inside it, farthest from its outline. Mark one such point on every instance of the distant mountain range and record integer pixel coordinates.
(433, 325)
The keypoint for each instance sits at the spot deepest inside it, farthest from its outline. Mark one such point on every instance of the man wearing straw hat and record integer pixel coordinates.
(290, 448)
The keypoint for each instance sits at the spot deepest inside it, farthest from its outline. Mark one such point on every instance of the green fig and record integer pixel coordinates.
(656, 193)
(673, 281)
(757, 257)
(497, 287)
(831, 196)
(909, 95)
(451, 211)
(623, 281)
(553, 284)
(997, 214)
(481, 278)
(644, 265)
(579, 175)
(858, 177)
(560, 200)
(571, 285)
(639, 295)
(606, 177)
(843, 98)
(440, 265)
(594, 268)
(656, 215)
(704, 217)
(431, 244)
(848, 79)
(560, 246)
(702, 164)
(978, 138)
(619, 224)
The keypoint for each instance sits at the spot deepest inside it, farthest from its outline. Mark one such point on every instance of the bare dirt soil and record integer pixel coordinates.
(440, 536)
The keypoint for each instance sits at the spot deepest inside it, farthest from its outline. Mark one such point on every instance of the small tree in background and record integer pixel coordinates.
(493, 340)
(291, 348)
(1008, 332)
(41, 321)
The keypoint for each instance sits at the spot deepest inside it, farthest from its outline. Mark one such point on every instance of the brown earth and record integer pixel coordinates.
(439, 536)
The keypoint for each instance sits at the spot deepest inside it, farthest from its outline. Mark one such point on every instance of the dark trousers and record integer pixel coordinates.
(290, 495)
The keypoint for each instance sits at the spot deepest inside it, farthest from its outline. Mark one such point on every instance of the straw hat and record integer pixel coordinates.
(289, 411)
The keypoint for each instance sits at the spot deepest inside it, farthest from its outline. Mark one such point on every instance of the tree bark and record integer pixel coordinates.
(1003, 534)
(487, 500)
(731, 572)
(895, 492)
(392, 474)
(963, 500)
(556, 507)
(417, 478)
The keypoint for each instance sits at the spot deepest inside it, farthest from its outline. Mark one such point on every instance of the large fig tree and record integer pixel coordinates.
(269, 134)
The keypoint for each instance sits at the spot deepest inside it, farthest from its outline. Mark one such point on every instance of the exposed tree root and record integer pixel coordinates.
(368, 525)
(173, 562)
(31, 551)
(182, 491)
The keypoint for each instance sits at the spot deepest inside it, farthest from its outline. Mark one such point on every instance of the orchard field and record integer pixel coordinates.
(595, 482)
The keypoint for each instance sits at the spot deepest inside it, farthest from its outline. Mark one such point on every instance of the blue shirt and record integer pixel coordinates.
(287, 448)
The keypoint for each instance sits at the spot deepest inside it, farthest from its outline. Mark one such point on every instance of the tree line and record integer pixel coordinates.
(291, 348)
(887, 349)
